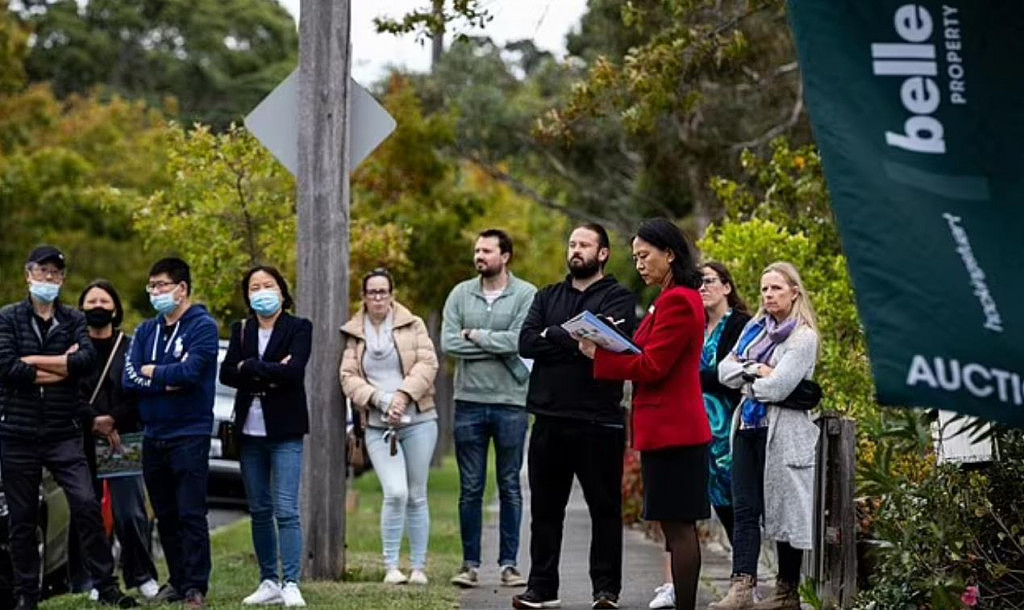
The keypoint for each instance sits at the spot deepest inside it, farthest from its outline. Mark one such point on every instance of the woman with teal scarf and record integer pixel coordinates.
(727, 314)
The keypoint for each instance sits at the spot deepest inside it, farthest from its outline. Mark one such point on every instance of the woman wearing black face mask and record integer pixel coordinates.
(109, 412)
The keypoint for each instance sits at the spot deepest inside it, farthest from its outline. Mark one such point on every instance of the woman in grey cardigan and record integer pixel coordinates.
(773, 447)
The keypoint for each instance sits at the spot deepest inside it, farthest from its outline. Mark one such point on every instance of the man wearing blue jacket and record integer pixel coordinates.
(172, 364)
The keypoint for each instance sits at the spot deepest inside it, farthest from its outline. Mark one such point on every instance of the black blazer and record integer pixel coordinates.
(280, 387)
(730, 335)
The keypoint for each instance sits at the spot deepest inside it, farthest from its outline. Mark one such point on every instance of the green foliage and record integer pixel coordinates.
(229, 207)
(780, 212)
(435, 19)
(61, 169)
(442, 202)
(13, 48)
(217, 57)
(944, 528)
(691, 82)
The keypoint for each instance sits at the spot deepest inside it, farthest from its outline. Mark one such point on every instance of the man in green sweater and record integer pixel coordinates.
(482, 318)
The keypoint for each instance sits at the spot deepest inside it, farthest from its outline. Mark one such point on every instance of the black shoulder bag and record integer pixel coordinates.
(228, 431)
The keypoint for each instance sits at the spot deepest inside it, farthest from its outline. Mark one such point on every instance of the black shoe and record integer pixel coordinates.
(26, 603)
(532, 599)
(113, 596)
(167, 595)
(194, 599)
(606, 600)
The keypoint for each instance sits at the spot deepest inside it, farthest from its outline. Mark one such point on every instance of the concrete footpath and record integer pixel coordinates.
(642, 564)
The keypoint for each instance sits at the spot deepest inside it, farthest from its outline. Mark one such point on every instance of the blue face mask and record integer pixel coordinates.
(163, 303)
(44, 292)
(265, 302)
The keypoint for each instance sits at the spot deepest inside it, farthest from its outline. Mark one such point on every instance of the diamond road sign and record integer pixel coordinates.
(275, 123)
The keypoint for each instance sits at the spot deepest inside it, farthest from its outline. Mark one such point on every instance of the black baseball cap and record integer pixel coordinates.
(47, 254)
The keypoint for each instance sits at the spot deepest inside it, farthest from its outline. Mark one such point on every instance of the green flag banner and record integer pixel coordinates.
(918, 109)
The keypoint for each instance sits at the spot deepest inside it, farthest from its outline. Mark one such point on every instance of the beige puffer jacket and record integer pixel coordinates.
(415, 351)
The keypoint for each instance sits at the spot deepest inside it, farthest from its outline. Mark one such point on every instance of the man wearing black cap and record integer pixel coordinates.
(44, 352)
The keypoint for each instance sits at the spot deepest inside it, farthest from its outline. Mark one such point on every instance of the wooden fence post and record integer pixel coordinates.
(835, 535)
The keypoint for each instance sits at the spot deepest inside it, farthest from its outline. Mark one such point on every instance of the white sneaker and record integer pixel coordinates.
(395, 577)
(665, 597)
(417, 577)
(292, 596)
(94, 595)
(267, 594)
(149, 589)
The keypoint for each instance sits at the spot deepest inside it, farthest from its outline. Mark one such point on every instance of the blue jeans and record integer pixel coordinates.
(403, 478)
(475, 425)
(271, 472)
(176, 472)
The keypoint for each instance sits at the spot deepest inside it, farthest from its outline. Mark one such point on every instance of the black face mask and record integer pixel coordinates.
(98, 317)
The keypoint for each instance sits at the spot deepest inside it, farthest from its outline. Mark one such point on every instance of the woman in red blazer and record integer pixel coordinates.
(670, 425)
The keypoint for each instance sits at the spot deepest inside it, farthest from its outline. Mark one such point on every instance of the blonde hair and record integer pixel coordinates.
(802, 310)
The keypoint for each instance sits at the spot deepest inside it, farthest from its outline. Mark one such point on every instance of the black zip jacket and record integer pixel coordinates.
(562, 383)
(112, 398)
(41, 412)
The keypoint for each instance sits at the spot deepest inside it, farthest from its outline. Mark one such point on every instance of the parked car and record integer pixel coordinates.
(225, 479)
(52, 533)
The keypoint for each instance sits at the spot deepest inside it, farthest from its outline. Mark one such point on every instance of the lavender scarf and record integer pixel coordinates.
(758, 343)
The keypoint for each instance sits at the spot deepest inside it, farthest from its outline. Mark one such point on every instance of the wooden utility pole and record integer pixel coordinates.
(323, 258)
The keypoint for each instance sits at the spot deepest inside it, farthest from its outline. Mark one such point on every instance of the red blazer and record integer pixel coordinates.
(668, 407)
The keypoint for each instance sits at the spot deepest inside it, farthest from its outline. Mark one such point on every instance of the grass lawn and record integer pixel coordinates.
(235, 573)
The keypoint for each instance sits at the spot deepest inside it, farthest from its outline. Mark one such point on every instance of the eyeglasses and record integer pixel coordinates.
(709, 281)
(377, 294)
(159, 287)
(46, 273)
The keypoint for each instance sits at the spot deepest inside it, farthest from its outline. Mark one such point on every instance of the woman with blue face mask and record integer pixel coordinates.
(266, 362)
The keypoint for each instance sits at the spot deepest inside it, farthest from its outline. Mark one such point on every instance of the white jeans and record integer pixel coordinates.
(403, 478)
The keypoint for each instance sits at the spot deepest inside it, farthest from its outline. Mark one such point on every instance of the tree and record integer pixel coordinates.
(13, 48)
(693, 83)
(217, 57)
(442, 201)
(673, 91)
(63, 167)
(231, 206)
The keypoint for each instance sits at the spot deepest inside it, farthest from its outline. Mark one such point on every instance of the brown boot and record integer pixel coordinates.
(740, 595)
(786, 596)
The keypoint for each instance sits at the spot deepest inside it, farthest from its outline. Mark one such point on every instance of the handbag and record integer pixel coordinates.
(106, 369)
(227, 431)
(804, 397)
(356, 454)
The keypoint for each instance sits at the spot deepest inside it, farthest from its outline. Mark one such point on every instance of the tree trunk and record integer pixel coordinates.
(444, 394)
(323, 256)
(437, 36)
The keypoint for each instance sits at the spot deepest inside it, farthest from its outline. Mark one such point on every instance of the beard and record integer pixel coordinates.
(487, 271)
(581, 268)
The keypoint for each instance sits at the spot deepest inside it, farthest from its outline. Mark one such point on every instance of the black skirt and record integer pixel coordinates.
(676, 483)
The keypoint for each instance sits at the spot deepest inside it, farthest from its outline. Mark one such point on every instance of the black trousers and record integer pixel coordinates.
(22, 462)
(132, 527)
(559, 450)
(748, 451)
